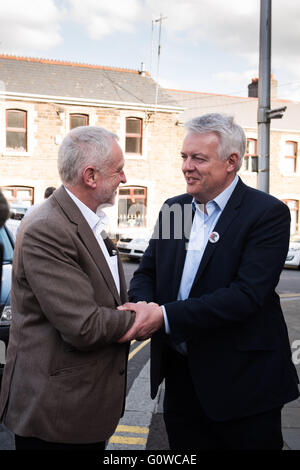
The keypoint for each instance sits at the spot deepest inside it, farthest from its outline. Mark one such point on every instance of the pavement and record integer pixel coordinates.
(133, 432)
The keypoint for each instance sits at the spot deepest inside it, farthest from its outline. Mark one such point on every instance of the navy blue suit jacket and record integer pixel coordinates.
(238, 347)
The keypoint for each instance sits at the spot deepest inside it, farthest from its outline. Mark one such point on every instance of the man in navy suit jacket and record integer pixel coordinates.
(206, 287)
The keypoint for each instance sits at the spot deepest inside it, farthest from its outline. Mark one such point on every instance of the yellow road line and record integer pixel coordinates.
(128, 440)
(136, 350)
(296, 294)
(131, 440)
(133, 429)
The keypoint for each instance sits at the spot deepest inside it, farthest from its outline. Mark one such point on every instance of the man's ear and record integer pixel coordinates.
(233, 161)
(90, 176)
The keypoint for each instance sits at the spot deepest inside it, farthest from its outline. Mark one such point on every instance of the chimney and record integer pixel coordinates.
(253, 88)
(142, 72)
(274, 84)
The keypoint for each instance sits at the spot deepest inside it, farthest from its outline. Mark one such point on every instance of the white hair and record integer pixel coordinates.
(84, 146)
(232, 137)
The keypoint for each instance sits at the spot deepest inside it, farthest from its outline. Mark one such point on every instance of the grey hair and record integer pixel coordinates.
(84, 146)
(231, 136)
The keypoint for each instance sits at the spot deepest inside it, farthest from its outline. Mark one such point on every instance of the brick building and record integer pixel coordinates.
(41, 100)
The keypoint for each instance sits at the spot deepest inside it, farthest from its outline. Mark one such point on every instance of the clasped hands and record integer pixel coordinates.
(148, 319)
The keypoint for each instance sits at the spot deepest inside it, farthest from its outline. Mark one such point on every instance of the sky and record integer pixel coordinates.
(206, 45)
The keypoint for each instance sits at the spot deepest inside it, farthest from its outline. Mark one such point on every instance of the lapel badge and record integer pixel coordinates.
(214, 237)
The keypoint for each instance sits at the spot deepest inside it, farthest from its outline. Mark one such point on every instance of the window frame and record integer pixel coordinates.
(295, 209)
(294, 157)
(136, 197)
(86, 116)
(15, 189)
(250, 157)
(16, 129)
(135, 134)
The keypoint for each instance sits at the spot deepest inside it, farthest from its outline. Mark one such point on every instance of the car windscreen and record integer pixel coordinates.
(7, 246)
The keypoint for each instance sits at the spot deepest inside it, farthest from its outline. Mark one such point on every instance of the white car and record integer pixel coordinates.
(293, 256)
(17, 212)
(133, 245)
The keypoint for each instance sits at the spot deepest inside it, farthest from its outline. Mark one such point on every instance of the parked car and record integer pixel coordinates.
(6, 239)
(17, 213)
(293, 256)
(133, 245)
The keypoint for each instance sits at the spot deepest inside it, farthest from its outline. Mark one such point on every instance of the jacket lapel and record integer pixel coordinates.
(88, 238)
(228, 215)
(111, 246)
(123, 287)
(181, 244)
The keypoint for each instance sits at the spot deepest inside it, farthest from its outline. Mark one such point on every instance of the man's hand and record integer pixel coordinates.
(148, 319)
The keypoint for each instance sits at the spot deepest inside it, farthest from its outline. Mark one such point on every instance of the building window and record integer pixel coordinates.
(293, 205)
(77, 120)
(19, 194)
(251, 158)
(290, 156)
(132, 206)
(16, 130)
(134, 135)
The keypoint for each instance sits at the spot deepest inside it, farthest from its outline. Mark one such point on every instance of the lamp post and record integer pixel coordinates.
(265, 114)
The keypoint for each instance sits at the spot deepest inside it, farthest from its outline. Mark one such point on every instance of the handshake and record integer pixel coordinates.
(148, 319)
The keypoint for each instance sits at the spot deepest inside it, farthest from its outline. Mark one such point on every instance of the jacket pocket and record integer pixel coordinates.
(72, 370)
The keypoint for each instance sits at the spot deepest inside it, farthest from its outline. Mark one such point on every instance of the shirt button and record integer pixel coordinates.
(122, 371)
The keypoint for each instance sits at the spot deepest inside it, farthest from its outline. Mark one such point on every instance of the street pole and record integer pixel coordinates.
(160, 19)
(264, 96)
(151, 58)
(265, 113)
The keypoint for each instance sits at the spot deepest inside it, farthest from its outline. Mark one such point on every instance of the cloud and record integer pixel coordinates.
(102, 18)
(29, 26)
(220, 22)
(237, 80)
(231, 24)
(229, 27)
(233, 27)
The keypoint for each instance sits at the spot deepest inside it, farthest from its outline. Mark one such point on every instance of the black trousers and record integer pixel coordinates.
(32, 443)
(188, 427)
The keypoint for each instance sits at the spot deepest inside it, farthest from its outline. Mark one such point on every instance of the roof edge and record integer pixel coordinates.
(17, 96)
(69, 63)
(250, 98)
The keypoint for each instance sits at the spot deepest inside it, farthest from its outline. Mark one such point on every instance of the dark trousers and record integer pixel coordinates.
(189, 428)
(32, 443)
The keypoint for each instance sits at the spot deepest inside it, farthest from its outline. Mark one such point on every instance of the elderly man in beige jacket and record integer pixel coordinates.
(65, 377)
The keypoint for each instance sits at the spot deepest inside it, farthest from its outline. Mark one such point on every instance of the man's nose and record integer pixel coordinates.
(188, 164)
(123, 177)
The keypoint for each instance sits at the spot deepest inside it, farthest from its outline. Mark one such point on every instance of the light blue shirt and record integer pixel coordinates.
(203, 226)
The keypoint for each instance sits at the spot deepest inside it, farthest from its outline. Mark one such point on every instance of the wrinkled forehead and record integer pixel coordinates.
(193, 141)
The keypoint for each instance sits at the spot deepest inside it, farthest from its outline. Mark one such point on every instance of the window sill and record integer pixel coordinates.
(134, 156)
(284, 173)
(16, 154)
